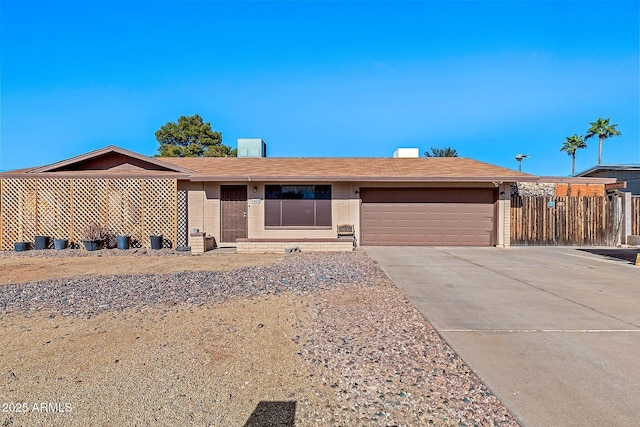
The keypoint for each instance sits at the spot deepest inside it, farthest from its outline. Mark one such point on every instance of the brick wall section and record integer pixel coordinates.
(305, 245)
(503, 215)
(507, 222)
(201, 243)
(197, 244)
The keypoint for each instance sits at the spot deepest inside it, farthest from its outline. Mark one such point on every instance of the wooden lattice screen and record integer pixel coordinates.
(53, 207)
(61, 208)
(183, 218)
(18, 211)
(159, 211)
(125, 210)
(88, 204)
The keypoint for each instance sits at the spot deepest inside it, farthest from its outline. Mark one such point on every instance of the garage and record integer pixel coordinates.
(428, 216)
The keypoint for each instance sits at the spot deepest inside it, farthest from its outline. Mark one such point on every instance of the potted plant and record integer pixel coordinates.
(41, 242)
(21, 246)
(124, 241)
(94, 235)
(60, 244)
(156, 241)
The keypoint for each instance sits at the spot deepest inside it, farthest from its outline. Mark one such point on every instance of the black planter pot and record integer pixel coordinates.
(123, 242)
(60, 244)
(156, 242)
(92, 245)
(20, 246)
(41, 242)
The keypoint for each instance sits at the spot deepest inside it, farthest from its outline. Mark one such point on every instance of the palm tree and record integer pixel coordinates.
(442, 152)
(572, 144)
(604, 130)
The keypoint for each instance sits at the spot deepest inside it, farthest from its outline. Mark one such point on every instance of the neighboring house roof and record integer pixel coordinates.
(630, 174)
(435, 169)
(609, 168)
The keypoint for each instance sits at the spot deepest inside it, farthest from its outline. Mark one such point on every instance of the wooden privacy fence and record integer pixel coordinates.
(61, 208)
(635, 215)
(562, 221)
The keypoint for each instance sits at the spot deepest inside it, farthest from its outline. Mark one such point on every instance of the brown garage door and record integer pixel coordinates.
(428, 216)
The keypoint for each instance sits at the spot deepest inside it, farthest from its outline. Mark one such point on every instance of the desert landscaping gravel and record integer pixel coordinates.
(328, 331)
(80, 253)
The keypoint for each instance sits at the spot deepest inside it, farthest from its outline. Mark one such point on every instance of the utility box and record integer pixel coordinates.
(407, 152)
(252, 147)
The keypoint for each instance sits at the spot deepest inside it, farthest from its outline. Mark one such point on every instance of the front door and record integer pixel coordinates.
(233, 207)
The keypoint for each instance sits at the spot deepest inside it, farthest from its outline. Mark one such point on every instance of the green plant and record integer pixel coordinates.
(603, 130)
(571, 145)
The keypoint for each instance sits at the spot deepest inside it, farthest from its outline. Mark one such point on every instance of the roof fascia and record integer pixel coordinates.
(97, 175)
(616, 186)
(576, 180)
(493, 179)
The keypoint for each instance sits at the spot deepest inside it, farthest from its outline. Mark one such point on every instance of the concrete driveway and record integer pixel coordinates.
(553, 332)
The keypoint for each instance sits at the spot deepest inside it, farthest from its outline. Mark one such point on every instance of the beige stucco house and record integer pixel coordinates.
(262, 204)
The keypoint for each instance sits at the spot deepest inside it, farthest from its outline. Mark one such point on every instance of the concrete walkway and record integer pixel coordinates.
(554, 332)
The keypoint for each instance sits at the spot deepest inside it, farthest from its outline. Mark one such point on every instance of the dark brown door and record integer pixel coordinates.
(233, 210)
(428, 216)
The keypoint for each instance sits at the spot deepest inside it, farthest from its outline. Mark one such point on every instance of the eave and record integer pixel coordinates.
(349, 178)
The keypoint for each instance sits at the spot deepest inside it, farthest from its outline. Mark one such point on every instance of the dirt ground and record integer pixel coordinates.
(27, 269)
(210, 365)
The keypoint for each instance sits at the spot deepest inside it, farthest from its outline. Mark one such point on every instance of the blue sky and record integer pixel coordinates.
(322, 78)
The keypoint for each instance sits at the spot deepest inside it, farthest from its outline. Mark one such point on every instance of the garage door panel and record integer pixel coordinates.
(386, 237)
(419, 223)
(432, 217)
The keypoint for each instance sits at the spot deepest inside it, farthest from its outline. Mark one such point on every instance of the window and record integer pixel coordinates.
(297, 206)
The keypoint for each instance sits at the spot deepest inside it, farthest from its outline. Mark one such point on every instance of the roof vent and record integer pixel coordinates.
(407, 152)
(252, 147)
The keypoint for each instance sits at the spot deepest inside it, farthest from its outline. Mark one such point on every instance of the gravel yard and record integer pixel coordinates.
(28, 266)
(326, 332)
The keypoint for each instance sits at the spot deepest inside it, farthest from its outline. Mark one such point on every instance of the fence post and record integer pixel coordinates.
(627, 218)
(635, 215)
(618, 217)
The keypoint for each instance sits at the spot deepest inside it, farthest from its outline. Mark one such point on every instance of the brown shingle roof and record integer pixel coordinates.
(439, 169)
(434, 169)
(346, 169)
